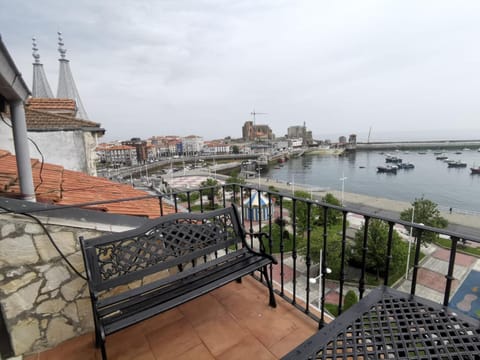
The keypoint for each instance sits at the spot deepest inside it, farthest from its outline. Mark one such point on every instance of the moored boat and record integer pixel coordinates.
(393, 159)
(475, 170)
(457, 164)
(387, 169)
(406, 166)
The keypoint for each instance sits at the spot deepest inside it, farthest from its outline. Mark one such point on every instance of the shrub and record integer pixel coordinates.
(350, 300)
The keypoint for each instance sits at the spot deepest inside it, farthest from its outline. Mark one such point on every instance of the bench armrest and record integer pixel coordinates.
(262, 247)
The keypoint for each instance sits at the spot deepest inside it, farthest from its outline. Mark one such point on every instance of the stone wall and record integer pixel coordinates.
(42, 300)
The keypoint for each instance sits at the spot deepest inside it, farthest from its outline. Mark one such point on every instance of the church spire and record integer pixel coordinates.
(40, 86)
(66, 85)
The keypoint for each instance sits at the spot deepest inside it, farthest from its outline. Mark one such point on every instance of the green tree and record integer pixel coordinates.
(333, 216)
(427, 213)
(377, 242)
(301, 212)
(234, 179)
(212, 190)
(350, 300)
(235, 149)
(333, 253)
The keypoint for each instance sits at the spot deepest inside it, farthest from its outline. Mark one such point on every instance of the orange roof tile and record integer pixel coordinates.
(51, 104)
(54, 184)
(44, 120)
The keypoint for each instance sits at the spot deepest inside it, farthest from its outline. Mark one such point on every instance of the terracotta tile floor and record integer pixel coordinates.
(233, 322)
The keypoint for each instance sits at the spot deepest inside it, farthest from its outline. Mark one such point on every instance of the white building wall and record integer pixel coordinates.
(64, 148)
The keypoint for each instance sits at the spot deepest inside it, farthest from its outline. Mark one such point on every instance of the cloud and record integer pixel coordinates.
(199, 66)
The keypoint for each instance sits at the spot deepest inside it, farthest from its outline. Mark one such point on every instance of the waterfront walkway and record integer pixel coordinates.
(458, 221)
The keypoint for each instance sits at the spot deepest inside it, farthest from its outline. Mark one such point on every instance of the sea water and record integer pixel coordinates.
(431, 178)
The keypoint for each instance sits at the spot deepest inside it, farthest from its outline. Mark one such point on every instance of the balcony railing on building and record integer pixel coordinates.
(313, 272)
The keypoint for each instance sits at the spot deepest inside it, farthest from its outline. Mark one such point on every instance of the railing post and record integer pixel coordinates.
(416, 261)
(294, 248)
(342, 264)
(323, 270)
(389, 252)
(308, 258)
(361, 283)
(449, 276)
(282, 247)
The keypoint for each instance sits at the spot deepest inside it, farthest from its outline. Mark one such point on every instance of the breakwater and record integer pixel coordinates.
(429, 144)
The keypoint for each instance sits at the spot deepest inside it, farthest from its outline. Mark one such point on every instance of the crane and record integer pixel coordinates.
(254, 113)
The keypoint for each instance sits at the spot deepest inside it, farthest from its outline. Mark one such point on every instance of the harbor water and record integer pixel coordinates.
(449, 187)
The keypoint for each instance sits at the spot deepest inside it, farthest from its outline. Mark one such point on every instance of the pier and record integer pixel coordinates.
(433, 144)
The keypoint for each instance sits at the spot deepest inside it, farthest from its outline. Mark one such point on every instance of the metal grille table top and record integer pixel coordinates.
(389, 324)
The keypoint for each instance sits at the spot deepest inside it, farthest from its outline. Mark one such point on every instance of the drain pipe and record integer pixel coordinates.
(24, 167)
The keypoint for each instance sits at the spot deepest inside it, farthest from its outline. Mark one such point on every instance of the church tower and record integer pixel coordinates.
(66, 85)
(40, 86)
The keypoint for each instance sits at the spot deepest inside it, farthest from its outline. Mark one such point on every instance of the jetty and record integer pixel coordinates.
(424, 144)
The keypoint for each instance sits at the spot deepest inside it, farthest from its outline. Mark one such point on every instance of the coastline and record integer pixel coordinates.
(367, 203)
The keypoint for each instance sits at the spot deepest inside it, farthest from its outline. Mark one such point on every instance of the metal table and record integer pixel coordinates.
(389, 324)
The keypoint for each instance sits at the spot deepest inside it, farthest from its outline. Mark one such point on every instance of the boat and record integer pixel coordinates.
(393, 159)
(406, 166)
(458, 152)
(475, 170)
(457, 164)
(387, 169)
(441, 157)
(422, 152)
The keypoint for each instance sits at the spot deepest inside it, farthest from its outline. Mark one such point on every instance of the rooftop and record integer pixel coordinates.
(232, 322)
(56, 185)
(38, 120)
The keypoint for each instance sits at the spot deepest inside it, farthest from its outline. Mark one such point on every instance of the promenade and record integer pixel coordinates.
(380, 206)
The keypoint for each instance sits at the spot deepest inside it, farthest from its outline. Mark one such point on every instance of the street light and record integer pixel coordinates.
(319, 278)
(342, 179)
(409, 244)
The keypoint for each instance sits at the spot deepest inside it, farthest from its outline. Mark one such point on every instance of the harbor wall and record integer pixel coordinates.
(434, 144)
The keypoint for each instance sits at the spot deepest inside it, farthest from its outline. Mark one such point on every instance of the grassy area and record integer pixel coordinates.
(446, 243)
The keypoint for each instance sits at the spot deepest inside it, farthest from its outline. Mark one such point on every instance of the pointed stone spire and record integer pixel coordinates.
(66, 85)
(40, 86)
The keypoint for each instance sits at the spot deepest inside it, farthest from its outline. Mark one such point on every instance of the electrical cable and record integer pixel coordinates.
(36, 147)
(70, 265)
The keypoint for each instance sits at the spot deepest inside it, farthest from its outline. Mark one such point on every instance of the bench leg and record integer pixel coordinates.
(272, 302)
(239, 280)
(100, 342)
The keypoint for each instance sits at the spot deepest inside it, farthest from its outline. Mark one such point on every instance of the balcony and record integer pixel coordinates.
(235, 321)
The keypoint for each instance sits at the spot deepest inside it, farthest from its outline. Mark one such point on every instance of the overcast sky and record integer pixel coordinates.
(165, 67)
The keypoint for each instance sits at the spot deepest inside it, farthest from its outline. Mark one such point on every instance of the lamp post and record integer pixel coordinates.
(319, 278)
(342, 179)
(258, 169)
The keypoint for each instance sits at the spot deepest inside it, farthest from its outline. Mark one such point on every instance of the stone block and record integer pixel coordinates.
(71, 289)
(85, 315)
(76, 260)
(24, 334)
(33, 229)
(64, 240)
(7, 229)
(16, 284)
(55, 276)
(49, 307)
(70, 312)
(18, 251)
(58, 330)
(21, 300)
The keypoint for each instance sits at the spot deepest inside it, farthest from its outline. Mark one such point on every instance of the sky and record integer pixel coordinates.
(399, 69)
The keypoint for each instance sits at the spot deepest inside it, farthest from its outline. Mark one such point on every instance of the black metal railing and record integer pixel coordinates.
(262, 209)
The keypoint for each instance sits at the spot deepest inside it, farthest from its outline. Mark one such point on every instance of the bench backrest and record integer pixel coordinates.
(162, 243)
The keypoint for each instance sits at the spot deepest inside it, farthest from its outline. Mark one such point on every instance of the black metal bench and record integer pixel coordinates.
(194, 252)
